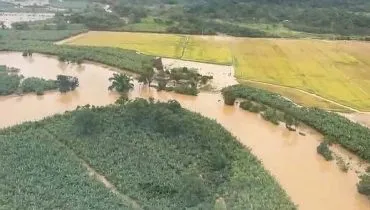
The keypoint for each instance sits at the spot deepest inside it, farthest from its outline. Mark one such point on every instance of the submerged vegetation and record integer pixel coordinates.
(121, 83)
(323, 149)
(364, 185)
(183, 80)
(157, 155)
(38, 85)
(67, 83)
(11, 83)
(9, 80)
(350, 135)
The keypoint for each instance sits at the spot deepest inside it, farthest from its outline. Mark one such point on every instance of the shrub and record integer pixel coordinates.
(363, 186)
(229, 98)
(9, 82)
(187, 90)
(246, 105)
(38, 85)
(343, 166)
(323, 149)
(250, 106)
(271, 115)
(67, 83)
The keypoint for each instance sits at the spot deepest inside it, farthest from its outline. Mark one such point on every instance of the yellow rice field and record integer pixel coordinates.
(166, 45)
(336, 70)
(208, 49)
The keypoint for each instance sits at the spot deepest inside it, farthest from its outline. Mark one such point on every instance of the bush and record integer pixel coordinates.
(9, 82)
(67, 83)
(271, 115)
(38, 85)
(250, 106)
(187, 90)
(343, 166)
(229, 98)
(363, 186)
(323, 149)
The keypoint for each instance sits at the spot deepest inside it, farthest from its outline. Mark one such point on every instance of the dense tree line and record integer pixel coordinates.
(332, 16)
(96, 19)
(197, 17)
(336, 128)
(157, 154)
(116, 57)
(350, 135)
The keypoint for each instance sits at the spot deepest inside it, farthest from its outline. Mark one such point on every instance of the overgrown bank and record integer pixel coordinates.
(159, 154)
(351, 135)
(336, 128)
(41, 41)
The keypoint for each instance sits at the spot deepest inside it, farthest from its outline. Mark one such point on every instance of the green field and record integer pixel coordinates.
(156, 155)
(152, 44)
(336, 70)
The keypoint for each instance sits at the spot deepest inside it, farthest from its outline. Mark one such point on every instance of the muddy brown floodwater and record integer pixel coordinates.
(311, 182)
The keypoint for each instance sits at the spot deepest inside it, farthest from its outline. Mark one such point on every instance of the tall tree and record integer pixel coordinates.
(121, 83)
(147, 75)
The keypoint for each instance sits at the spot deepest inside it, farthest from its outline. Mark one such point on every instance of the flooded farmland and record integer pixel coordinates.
(309, 180)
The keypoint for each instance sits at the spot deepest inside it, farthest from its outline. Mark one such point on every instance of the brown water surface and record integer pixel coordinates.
(311, 182)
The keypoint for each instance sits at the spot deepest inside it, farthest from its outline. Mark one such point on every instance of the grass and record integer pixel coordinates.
(151, 44)
(336, 70)
(40, 35)
(147, 25)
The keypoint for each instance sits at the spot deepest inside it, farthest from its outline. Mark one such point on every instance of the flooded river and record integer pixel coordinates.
(311, 182)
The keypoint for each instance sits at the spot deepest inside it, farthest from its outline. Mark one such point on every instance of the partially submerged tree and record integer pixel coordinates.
(290, 122)
(121, 83)
(363, 186)
(67, 83)
(147, 76)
